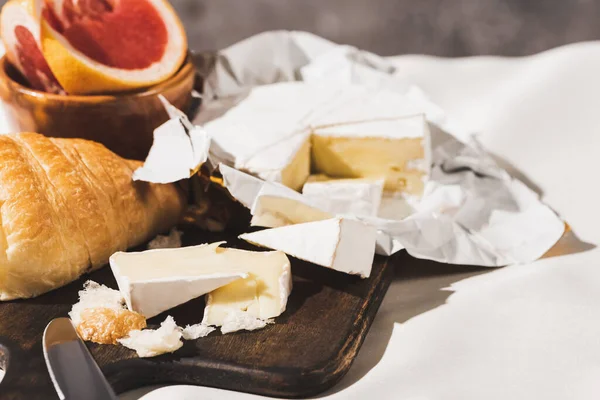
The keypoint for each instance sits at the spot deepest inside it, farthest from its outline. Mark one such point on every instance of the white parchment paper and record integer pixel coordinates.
(473, 211)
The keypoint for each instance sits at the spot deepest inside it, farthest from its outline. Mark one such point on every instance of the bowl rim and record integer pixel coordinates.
(187, 68)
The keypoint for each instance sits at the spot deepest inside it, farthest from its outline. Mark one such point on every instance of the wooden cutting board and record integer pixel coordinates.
(307, 351)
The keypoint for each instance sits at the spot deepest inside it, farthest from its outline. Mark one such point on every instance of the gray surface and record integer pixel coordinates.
(389, 27)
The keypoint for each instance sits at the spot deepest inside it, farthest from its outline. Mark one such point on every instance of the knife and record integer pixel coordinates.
(72, 368)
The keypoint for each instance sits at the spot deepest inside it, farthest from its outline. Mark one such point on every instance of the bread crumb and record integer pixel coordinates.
(153, 342)
(101, 316)
(105, 325)
(172, 241)
(242, 320)
(95, 295)
(193, 332)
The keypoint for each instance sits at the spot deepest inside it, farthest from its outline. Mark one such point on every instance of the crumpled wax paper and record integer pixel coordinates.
(473, 212)
(178, 150)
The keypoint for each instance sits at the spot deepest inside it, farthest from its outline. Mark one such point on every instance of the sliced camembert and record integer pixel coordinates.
(277, 206)
(236, 280)
(341, 244)
(394, 149)
(262, 295)
(154, 281)
(346, 131)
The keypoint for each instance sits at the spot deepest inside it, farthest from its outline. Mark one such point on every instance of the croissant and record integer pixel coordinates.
(66, 205)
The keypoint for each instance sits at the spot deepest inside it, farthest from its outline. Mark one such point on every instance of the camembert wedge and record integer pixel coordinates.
(154, 281)
(277, 206)
(341, 244)
(395, 149)
(262, 295)
(280, 132)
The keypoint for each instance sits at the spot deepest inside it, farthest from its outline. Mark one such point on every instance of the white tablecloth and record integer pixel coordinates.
(524, 332)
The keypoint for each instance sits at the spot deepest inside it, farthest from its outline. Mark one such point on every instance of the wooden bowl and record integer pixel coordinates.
(122, 122)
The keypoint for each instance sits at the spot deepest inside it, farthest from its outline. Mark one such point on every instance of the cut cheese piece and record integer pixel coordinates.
(395, 149)
(263, 294)
(357, 131)
(341, 244)
(265, 136)
(274, 205)
(270, 203)
(277, 206)
(344, 196)
(154, 281)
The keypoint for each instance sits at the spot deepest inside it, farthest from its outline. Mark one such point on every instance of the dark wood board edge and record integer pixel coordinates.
(135, 373)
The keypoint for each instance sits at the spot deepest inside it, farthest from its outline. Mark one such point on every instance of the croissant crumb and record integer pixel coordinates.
(105, 325)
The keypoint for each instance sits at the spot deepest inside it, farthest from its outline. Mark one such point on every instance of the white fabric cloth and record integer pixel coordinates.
(523, 332)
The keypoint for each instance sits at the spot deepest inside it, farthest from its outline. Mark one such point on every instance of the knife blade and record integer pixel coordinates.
(72, 368)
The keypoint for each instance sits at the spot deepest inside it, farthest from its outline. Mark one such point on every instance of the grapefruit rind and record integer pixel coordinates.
(20, 33)
(79, 74)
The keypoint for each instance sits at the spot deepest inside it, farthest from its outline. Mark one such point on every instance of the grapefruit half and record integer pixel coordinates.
(100, 46)
(20, 32)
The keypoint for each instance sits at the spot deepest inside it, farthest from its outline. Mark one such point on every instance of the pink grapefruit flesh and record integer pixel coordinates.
(34, 66)
(106, 46)
(129, 34)
(21, 37)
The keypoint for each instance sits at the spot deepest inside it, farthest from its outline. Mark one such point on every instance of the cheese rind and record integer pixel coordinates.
(154, 281)
(283, 206)
(277, 206)
(341, 244)
(348, 131)
(265, 135)
(345, 196)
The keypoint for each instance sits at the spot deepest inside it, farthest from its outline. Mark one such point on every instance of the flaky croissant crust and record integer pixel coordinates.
(66, 205)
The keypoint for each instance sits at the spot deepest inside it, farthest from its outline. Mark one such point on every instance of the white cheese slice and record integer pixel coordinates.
(273, 205)
(266, 135)
(396, 149)
(277, 206)
(341, 244)
(263, 294)
(269, 133)
(153, 342)
(154, 281)
(345, 196)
